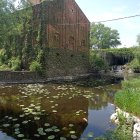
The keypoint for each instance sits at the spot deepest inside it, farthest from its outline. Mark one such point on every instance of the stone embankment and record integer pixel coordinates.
(135, 121)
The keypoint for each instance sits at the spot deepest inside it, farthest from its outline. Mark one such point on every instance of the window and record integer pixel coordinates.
(57, 54)
(71, 42)
(71, 55)
(57, 37)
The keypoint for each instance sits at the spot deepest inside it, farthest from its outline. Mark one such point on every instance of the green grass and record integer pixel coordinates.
(128, 98)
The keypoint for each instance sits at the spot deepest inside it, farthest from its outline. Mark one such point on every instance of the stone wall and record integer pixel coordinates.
(62, 62)
(19, 77)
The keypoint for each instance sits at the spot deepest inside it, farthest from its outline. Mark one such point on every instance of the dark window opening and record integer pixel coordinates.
(71, 41)
(83, 56)
(71, 55)
(57, 54)
(57, 37)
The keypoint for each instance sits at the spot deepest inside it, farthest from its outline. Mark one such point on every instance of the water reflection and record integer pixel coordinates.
(52, 111)
(4, 136)
(98, 121)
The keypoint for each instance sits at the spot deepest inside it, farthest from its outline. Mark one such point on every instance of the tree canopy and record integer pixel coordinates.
(18, 31)
(14, 21)
(103, 37)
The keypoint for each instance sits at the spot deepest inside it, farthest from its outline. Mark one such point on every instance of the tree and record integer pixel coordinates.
(103, 37)
(14, 25)
(138, 39)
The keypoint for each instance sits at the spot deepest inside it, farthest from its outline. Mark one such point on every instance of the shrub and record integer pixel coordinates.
(35, 67)
(97, 62)
(4, 67)
(3, 56)
(15, 63)
(135, 63)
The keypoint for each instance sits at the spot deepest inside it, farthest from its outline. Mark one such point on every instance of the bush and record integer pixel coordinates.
(97, 62)
(15, 63)
(35, 67)
(4, 67)
(3, 56)
(135, 63)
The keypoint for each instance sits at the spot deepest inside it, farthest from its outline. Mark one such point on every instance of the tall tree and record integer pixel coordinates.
(103, 37)
(14, 25)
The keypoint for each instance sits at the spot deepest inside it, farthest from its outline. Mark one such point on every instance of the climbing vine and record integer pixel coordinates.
(20, 43)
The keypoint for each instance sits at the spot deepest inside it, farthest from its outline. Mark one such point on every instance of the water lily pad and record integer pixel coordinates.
(63, 138)
(54, 127)
(42, 133)
(17, 125)
(46, 124)
(36, 118)
(14, 119)
(20, 135)
(51, 137)
(54, 111)
(21, 115)
(17, 132)
(48, 130)
(90, 134)
(73, 137)
(40, 129)
(36, 135)
(71, 125)
(72, 132)
(25, 122)
(6, 116)
(6, 125)
(56, 130)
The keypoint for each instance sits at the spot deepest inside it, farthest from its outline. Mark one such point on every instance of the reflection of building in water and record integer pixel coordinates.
(37, 110)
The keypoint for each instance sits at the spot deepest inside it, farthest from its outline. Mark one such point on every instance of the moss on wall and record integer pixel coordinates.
(62, 62)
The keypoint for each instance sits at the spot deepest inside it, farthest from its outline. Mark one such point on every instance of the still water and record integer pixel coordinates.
(55, 111)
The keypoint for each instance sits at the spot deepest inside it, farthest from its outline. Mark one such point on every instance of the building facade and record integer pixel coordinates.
(65, 33)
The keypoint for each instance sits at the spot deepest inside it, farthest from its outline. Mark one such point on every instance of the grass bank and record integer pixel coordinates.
(128, 99)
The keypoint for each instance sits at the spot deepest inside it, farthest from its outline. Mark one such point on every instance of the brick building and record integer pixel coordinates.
(65, 34)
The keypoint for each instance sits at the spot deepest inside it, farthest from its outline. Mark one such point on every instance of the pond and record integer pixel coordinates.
(55, 111)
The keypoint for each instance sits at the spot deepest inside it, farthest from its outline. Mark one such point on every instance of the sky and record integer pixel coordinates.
(99, 10)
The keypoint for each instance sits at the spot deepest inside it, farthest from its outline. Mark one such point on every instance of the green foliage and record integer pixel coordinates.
(15, 63)
(129, 98)
(103, 37)
(17, 35)
(97, 62)
(4, 67)
(135, 63)
(119, 51)
(36, 67)
(2, 56)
